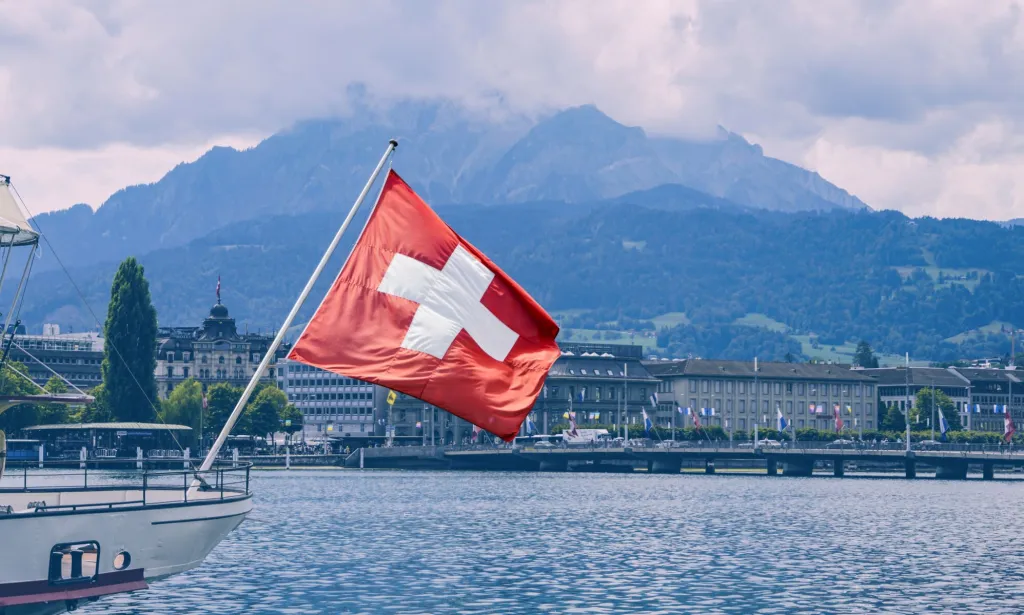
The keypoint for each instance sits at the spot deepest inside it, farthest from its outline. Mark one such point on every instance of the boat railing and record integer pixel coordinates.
(141, 486)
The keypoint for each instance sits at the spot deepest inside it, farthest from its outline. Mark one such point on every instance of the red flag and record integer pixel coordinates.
(419, 310)
(1008, 427)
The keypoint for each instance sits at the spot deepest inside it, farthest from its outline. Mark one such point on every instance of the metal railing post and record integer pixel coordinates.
(145, 484)
(184, 480)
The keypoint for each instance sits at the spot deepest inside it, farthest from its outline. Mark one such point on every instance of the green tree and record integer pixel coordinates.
(894, 420)
(221, 399)
(265, 412)
(291, 419)
(923, 409)
(184, 406)
(97, 411)
(54, 414)
(864, 355)
(22, 415)
(129, 360)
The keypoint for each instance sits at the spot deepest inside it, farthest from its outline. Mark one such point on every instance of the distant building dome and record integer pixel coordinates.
(219, 311)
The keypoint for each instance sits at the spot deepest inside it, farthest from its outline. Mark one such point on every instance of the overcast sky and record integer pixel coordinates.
(914, 105)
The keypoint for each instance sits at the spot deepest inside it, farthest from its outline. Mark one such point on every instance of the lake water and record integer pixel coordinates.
(467, 543)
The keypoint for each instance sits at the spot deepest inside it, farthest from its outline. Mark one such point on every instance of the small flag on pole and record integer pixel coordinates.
(647, 422)
(1008, 427)
(943, 425)
(654, 399)
(782, 423)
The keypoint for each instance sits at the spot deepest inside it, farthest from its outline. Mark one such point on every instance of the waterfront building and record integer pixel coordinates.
(806, 393)
(991, 387)
(332, 406)
(595, 377)
(893, 386)
(78, 357)
(212, 352)
(966, 386)
(604, 384)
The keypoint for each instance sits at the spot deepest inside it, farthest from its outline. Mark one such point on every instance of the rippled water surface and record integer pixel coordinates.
(423, 542)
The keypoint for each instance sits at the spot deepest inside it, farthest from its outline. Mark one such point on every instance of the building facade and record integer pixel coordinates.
(211, 353)
(604, 384)
(741, 397)
(78, 357)
(967, 387)
(896, 385)
(332, 406)
(989, 388)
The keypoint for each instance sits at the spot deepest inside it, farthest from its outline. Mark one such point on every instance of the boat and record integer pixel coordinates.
(73, 535)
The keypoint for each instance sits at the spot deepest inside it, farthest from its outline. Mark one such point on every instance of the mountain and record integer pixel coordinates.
(836, 276)
(449, 154)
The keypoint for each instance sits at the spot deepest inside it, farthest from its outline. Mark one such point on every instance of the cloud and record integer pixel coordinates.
(912, 104)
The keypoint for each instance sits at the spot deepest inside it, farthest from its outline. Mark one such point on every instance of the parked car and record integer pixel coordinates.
(770, 444)
(927, 445)
(840, 443)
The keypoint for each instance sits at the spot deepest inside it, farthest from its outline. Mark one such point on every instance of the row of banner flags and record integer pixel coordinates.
(780, 421)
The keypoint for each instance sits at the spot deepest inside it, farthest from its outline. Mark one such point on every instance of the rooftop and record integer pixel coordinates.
(570, 366)
(919, 376)
(745, 369)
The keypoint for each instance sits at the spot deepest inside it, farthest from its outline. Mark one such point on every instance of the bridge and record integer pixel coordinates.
(949, 463)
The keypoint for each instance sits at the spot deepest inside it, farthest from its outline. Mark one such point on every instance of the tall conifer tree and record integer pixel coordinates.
(129, 356)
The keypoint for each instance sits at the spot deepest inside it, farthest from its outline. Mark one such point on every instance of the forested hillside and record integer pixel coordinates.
(748, 281)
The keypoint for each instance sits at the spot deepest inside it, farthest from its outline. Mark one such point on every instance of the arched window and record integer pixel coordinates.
(220, 359)
(238, 360)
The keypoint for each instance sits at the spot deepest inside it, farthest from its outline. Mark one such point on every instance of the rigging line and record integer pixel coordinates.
(88, 307)
(36, 384)
(17, 292)
(50, 369)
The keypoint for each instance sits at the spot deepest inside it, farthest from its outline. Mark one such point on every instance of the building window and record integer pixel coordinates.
(186, 356)
(718, 386)
(170, 357)
(204, 359)
(693, 386)
(729, 386)
(800, 389)
(778, 388)
(728, 406)
(238, 360)
(170, 372)
(704, 386)
(220, 359)
(743, 405)
(743, 387)
(789, 388)
(789, 408)
(869, 390)
(184, 372)
(835, 390)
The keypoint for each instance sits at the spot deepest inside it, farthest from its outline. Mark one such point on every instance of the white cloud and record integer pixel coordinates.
(912, 104)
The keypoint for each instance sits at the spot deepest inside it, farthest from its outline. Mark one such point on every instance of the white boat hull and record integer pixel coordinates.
(162, 539)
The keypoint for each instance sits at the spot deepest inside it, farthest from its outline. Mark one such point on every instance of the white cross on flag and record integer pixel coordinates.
(419, 310)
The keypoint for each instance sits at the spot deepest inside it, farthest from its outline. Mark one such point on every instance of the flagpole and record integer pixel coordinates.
(215, 449)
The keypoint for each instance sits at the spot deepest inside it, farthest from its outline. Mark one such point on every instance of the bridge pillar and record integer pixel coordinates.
(709, 466)
(773, 467)
(954, 470)
(554, 465)
(911, 467)
(838, 468)
(670, 465)
(798, 468)
(987, 471)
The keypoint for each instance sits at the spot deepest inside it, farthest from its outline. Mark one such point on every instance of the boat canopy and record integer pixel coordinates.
(13, 220)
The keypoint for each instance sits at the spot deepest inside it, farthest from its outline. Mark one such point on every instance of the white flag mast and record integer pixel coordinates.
(272, 350)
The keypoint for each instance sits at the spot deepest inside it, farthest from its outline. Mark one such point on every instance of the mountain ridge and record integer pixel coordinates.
(447, 154)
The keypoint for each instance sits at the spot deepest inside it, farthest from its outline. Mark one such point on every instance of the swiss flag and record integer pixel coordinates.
(419, 310)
